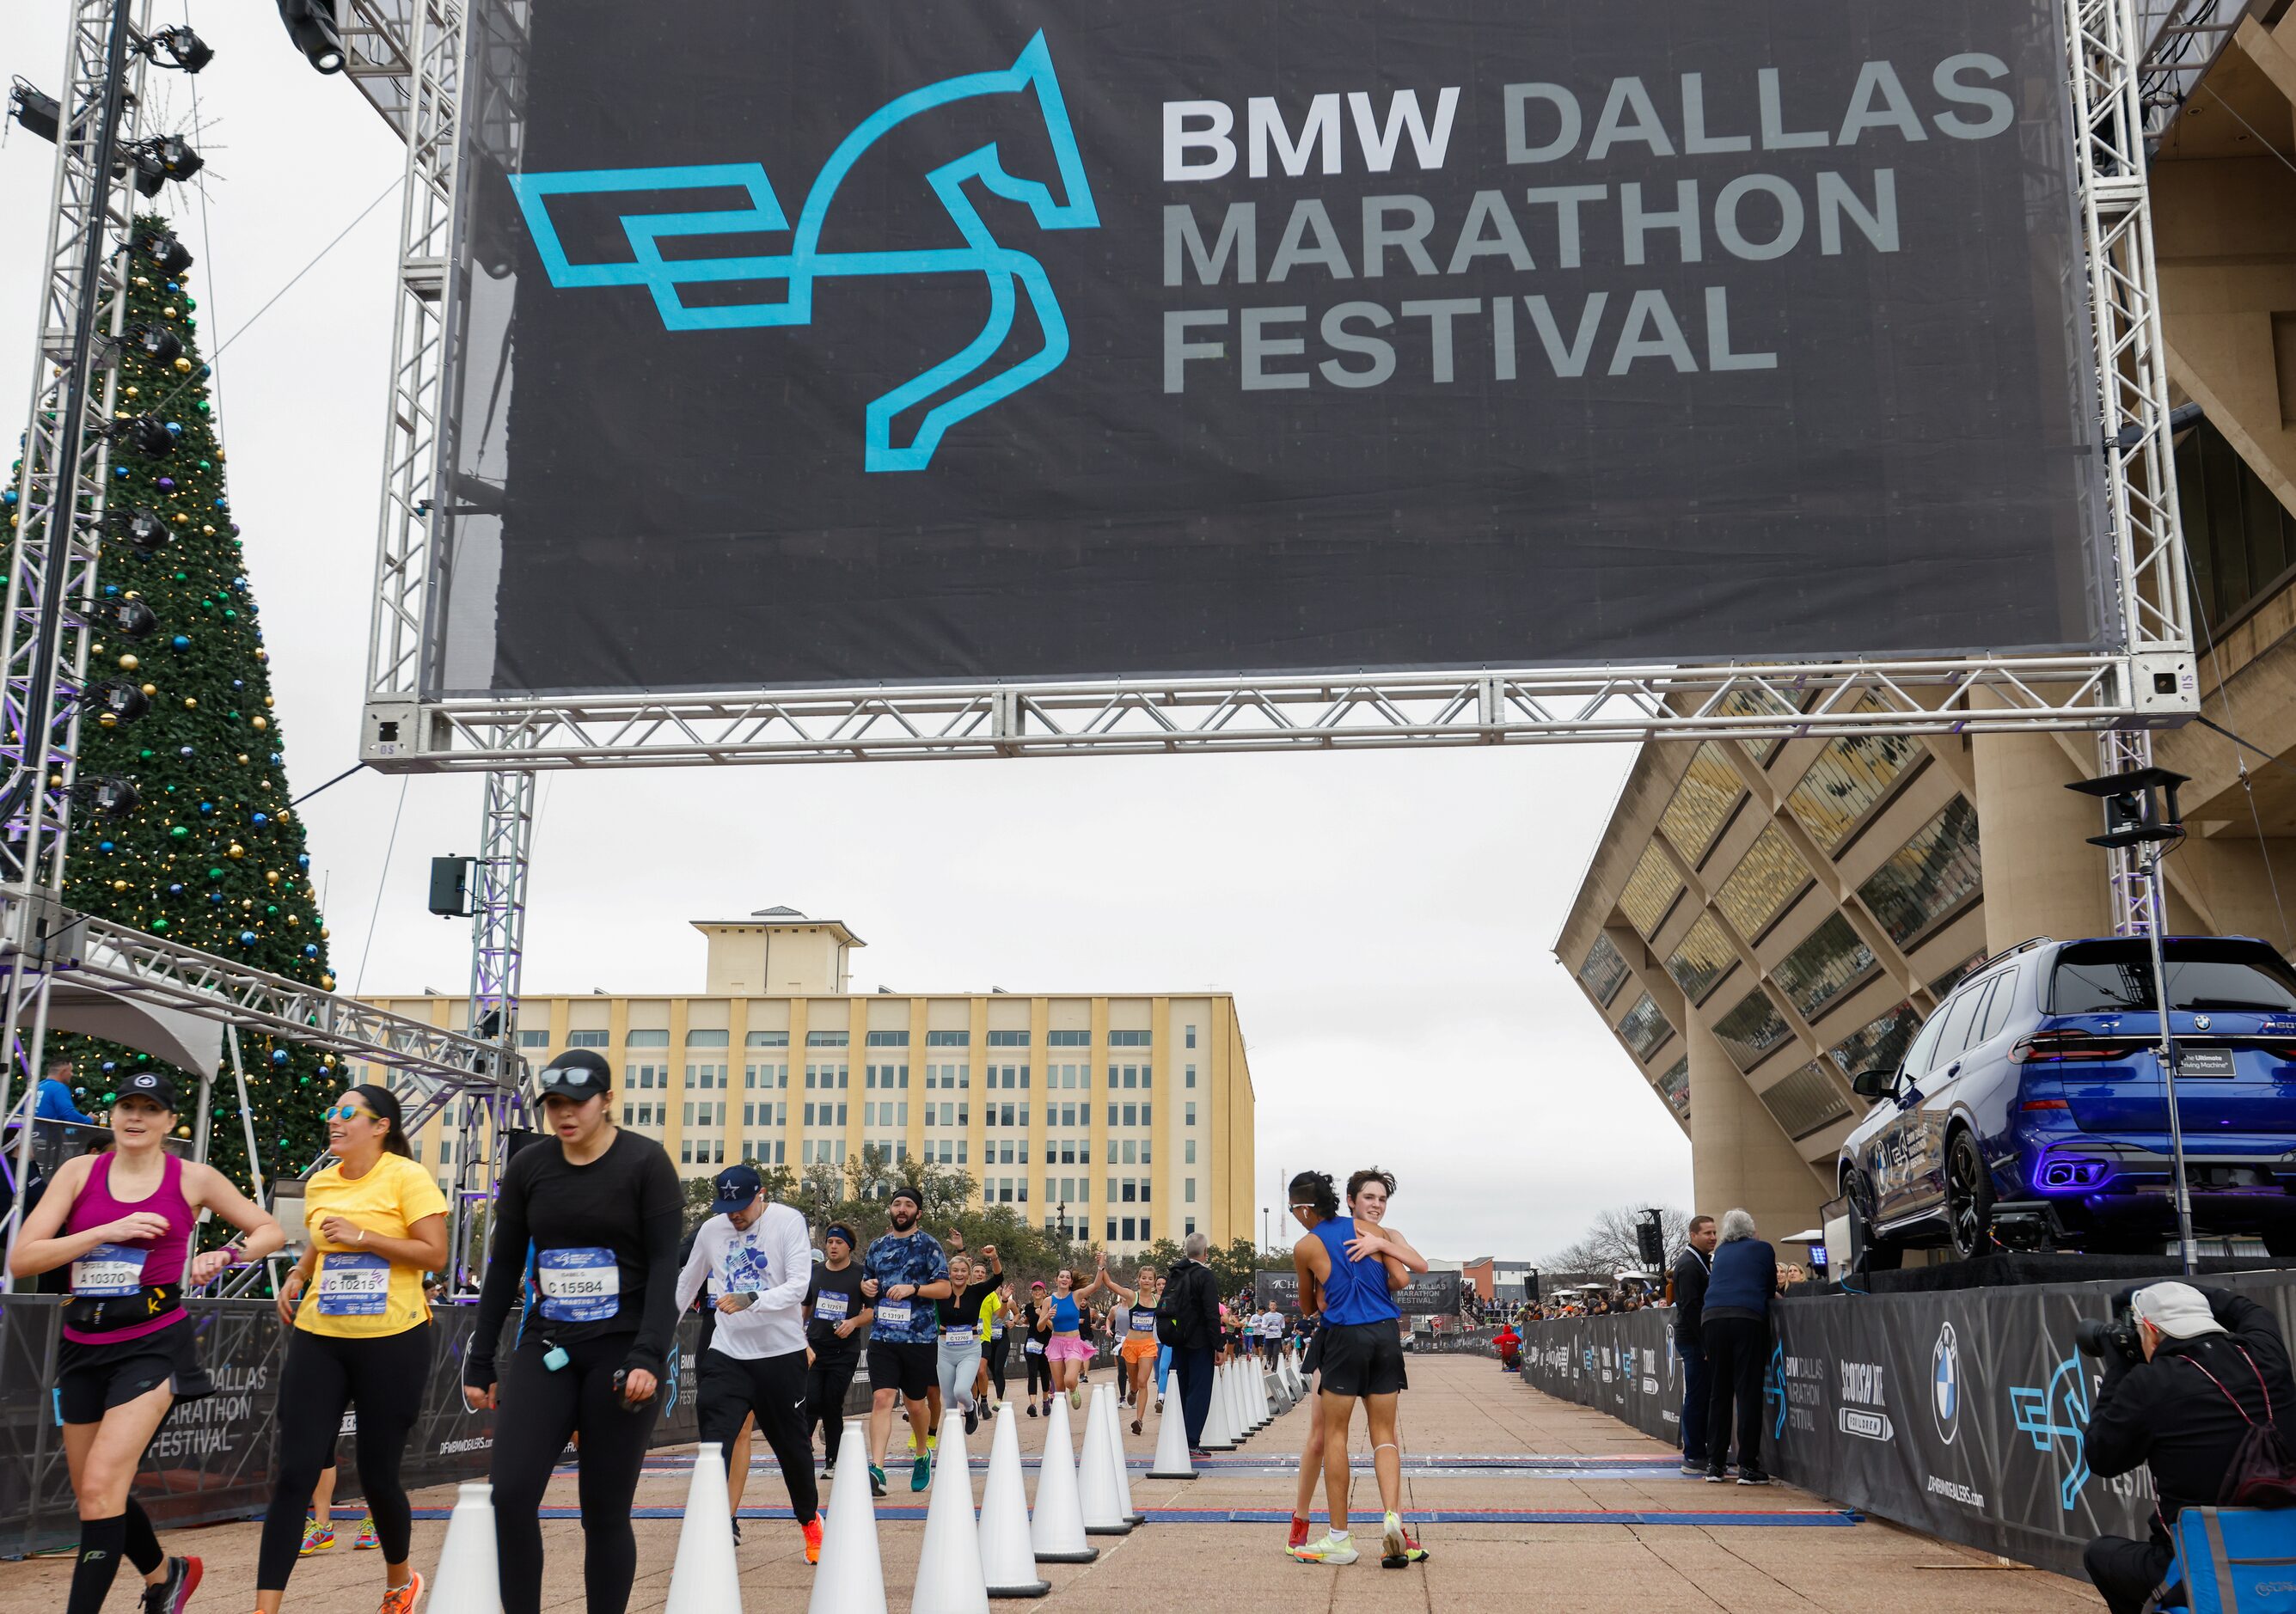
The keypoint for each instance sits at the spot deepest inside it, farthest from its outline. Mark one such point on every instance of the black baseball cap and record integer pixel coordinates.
(576, 1074)
(907, 1193)
(737, 1185)
(154, 1085)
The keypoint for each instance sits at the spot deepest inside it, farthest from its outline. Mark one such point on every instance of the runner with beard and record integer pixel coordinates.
(903, 1274)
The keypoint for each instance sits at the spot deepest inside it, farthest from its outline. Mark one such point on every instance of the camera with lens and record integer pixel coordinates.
(2113, 1335)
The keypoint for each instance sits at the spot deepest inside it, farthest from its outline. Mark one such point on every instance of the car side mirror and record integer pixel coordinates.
(1872, 1084)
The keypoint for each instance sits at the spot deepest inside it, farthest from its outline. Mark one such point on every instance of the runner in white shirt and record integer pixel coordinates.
(757, 1260)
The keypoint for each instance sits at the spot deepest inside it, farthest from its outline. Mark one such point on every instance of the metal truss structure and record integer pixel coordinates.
(498, 953)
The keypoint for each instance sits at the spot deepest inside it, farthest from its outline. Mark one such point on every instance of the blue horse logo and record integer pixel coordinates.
(1010, 273)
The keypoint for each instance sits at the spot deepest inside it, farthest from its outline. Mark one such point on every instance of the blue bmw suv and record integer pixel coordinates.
(2031, 1107)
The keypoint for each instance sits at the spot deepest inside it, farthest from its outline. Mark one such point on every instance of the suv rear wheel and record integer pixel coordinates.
(1968, 1197)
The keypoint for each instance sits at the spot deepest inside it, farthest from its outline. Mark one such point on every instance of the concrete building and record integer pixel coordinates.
(1131, 1114)
(1762, 920)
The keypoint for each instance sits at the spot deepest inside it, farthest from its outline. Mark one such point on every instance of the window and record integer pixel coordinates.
(707, 1039)
(1191, 1036)
(1849, 777)
(1191, 1075)
(1832, 960)
(1188, 1193)
(1190, 1226)
(1930, 879)
(1068, 1039)
(1704, 957)
(1996, 1012)
(764, 1075)
(646, 1039)
(534, 1039)
(1644, 1029)
(1806, 1101)
(1008, 1039)
(1878, 1046)
(1127, 1039)
(765, 1039)
(2241, 539)
(586, 1039)
(827, 1039)
(948, 1039)
(1702, 803)
(1963, 1015)
(1770, 876)
(1750, 1030)
(1188, 1152)
(1190, 1119)
(889, 1039)
(1603, 973)
(1674, 1087)
(1651, 891)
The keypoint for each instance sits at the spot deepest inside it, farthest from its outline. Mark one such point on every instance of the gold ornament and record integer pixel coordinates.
(191, 702)
(242, 759)
(129, 664)
(150, 689)
(260, 723)
(135, 391)
(271, 877)
(234, 851)
(183, 366)
(118, 884)
(267, 701)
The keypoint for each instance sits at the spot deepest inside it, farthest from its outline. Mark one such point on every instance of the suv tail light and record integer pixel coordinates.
(2072, 1045)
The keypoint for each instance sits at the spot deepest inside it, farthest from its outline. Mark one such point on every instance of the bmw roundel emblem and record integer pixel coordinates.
(2201, 1022)
(1944, 1383)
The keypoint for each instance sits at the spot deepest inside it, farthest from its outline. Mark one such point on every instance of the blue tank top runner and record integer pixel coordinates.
(1357, 1290)
(1065, 1318)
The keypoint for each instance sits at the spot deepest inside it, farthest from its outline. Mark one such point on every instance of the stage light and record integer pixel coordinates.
(37, 111)
(118, 701)
(311, 25)
(184, 48)
(114, 796)
(131, 619)
(161, 159)
(159, 344)
(146, 434)
(167, 254)
(148, 532)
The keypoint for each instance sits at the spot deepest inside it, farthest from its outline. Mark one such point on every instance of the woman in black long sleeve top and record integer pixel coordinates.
(592, 1221)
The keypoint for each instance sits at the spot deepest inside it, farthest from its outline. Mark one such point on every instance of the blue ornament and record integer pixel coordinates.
(120, 471)
(105, 846)
(215, 899)
(259, 819)
(302, 859)
(279, 1056)
(110, 1064)
(236, 684)
(310, 949)
(207, 806)
(8, 497)
(246, 938)
(186, 750)
(181, 642)
(109, 589)
(222, 504)
(174, 429)
(175, 890)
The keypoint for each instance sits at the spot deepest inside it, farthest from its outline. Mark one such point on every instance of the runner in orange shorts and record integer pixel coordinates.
(1135, 1325)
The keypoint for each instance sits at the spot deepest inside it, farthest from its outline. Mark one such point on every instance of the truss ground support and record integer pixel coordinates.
(497, 949)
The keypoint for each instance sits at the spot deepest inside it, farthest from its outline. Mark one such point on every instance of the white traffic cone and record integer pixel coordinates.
(1259, 1383)
(1008, 1563)
(1231, 1406)
(1220, 1434)
(468, 1579)
(703, 1578)
(949, 1575)
(851, 1578)
(1172, 1460)
(1096, 1498)
(1056, 1525)
(1123, 1470)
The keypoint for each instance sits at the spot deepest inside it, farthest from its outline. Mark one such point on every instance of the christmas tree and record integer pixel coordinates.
(209, 852)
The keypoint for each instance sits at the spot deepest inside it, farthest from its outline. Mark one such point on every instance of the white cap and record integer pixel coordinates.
(2177, 1310)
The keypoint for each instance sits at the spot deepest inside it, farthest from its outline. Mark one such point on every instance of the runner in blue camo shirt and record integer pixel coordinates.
(902, 1273)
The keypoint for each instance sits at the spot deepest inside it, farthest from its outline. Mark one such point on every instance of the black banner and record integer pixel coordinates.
(1959, 1413)
(806, 344)
(1431, 1294)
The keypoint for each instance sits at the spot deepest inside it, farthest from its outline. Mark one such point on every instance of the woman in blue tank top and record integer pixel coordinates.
(1067, 1353)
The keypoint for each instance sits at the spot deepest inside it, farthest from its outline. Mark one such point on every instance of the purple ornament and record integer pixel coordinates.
(166, 481)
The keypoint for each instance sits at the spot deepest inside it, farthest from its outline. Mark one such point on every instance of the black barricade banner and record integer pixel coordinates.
(1042, 339)
(1431, 1294)
(214, 1458)
(1959, 1413)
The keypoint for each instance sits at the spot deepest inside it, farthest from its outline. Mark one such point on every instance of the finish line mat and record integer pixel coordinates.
(1803, 1517)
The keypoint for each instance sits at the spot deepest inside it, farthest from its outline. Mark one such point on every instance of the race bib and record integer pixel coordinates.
(894, 1314)
(581, 1285)
(1036, 1347)
(353, 1285)
(995, 1330)
(109, 1269)
(829, 1307)
(1144, 1322)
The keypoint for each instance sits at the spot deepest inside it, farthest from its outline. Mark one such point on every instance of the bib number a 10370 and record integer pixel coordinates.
(581, 1285)
(109, 1269)
(353, 1285)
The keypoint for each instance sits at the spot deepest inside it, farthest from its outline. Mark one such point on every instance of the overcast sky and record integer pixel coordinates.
(1382, 919)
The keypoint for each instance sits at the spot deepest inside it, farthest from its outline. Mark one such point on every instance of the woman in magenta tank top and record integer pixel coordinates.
(122, 1222)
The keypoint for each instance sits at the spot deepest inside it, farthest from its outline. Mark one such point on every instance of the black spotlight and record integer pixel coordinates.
(157, 343)
(147, 435)
(161, 159)
(311, 25)
(167, 254)
(118, 701)
(147, 531)
(129, 617)
(181, 47)
(113, 797)
(37, 111)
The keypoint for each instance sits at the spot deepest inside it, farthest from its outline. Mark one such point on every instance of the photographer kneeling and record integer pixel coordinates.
(2185, 1375)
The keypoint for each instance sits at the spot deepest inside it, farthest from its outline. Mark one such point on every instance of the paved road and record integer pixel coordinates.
(1531, 1503)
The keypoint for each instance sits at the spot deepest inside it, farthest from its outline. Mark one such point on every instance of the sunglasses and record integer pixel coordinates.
(348, 1112)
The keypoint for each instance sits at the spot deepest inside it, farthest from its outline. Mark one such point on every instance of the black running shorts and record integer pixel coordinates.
(912, 1368)
(1361, 1359)
(91, 1380)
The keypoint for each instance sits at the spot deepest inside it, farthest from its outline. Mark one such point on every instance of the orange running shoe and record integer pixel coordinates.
(401, 1600)
(1300, 1528)
(812, 1527)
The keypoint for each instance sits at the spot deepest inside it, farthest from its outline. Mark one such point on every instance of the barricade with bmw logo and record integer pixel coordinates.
(1958, 1412)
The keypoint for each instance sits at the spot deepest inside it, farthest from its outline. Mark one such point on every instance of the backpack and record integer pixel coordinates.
(2262, 1473)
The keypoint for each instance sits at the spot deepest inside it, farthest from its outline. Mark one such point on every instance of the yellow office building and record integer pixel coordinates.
(1131, 1114)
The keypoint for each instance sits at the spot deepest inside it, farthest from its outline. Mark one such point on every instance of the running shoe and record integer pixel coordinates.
(170, 1595)
(368, 1541)
(1397, 1546)
(812, 1528)
(1752, 1477)
(1692, 1470)
(876, 1480)
(317, 1537)
(1331, 1549)
(921, 1472)
(1032, 1409)
(1714, 1476)
(829, 1469)
(1160, 1404)
(401, 1600)
(971, 1420)
(1300, 1528)
(1136, 1426)
(737, 1531)
(1076, 1398)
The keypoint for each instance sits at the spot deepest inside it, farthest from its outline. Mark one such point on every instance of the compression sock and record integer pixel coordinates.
(100, 1544)
(143, 1541)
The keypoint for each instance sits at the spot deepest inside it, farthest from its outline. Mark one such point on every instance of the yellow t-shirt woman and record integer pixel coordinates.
(356, 1296)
